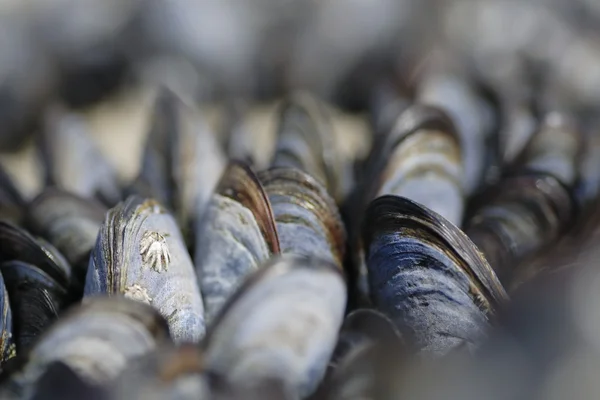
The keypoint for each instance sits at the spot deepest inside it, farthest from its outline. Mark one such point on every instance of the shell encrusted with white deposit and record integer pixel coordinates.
(140, 253)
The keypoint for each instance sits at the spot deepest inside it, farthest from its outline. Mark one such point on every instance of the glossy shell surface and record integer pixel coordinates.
(173, 372)
(421, 160)
(7, 346)
(236, 235)
(140, 254)
(70, 223)
(182, 160)
(308, 221)
(428, 276)
(306, 140)
(523, 214)
(36, 298)
(453, 92)
(97, 340)
(281, 323)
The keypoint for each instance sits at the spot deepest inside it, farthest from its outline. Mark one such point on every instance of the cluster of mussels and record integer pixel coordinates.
(298, 286)
(453, 257)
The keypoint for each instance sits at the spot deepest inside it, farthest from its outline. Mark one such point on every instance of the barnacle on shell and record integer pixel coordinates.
(155, 251)
(138, 293)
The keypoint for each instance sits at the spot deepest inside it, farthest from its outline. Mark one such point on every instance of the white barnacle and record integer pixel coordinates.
(138, 293)
(155, 251)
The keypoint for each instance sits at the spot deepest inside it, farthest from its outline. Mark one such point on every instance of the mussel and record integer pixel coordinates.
(420, 159)
(236, 235)
(168, 372)
(367, 370)
(182, 161)
(140, 253)
(589, 186)
(70, 223)
(306, 141)
(534, 203)
(179, 372)
(362, 328)
(443, 85)
(72, 387)
(73, 161)
(35, 297)
(7, 345)
(17, 244)
(365, 335)
(282, 324)
(555, 149)
(38, 281)
(428, 276)
(96, 339)
(518, 121)
(307, 218)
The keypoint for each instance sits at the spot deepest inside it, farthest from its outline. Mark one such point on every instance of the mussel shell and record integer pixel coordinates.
(35, 298)
(589, 185)
(169, 372)
(437, 185)
(427, 275)
(178, 372)
(74, 162)
(18, 244)
(57, 257)
(518, 121)
(199, 163)
(236, 235)
(555, 149)
(366, 372)
(182, 160)
(363, 327)
(140, 253)
(229, 247)
(414, 118)
(155, 179)
(420, 159)
(96, 339)
(7, 347)
(457, 94)
(239, 183)
(517, 218)
(71, 223)
(282, 323)
(308, 220)
(306, 140)
(72, 386)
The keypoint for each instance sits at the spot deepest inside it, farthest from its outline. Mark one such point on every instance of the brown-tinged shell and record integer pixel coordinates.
(290, 187)
(239, 183)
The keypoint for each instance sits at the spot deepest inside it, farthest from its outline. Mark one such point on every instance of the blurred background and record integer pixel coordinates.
(236, 58)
